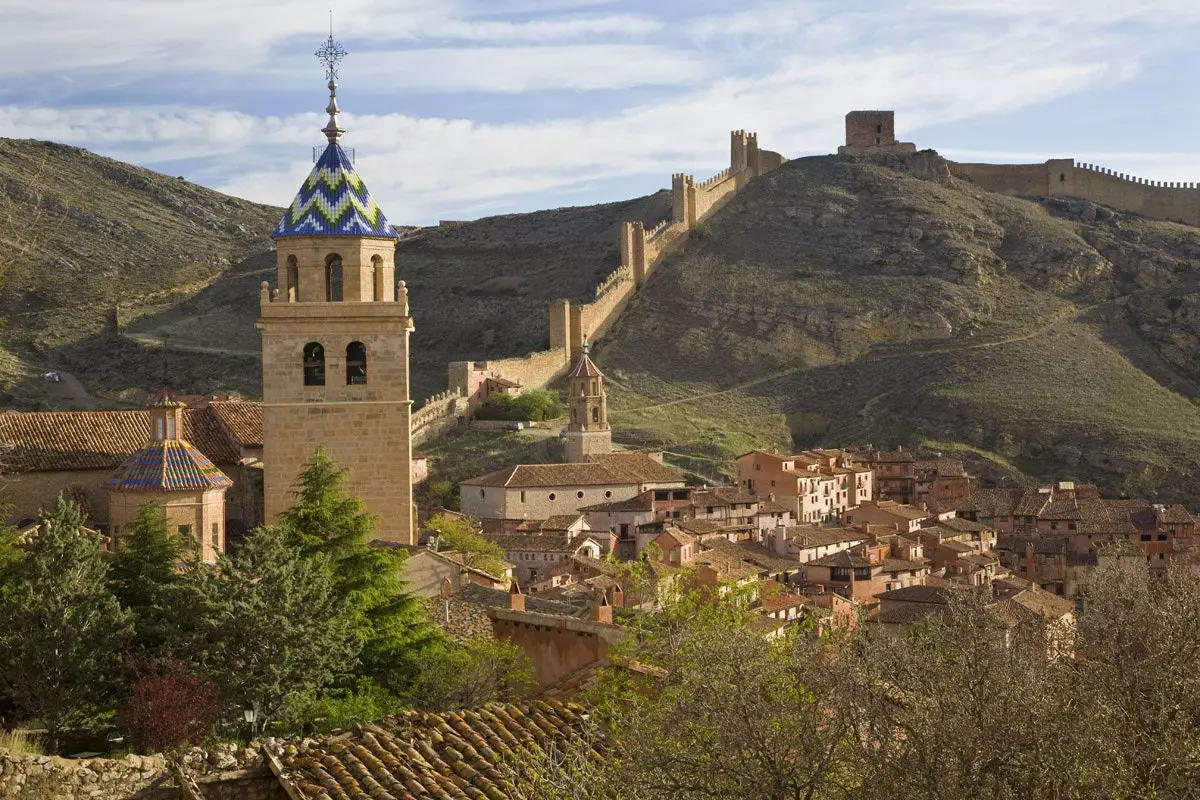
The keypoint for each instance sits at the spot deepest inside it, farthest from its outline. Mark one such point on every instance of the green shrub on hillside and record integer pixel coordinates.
(535, 405)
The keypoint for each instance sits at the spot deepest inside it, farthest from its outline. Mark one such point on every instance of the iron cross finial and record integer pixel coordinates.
(331, 53)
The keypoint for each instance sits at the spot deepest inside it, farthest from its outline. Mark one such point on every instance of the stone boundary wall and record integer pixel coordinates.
(641, 250)
(1064, 177)
(222, 774)
(439, 414)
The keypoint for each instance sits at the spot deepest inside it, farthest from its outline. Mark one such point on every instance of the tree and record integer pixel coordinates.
(142, 569)
(392, 624)
(477, 552)
(10, 554)
(470, 674)
(264, 625)
(61, 629)
(170, 708)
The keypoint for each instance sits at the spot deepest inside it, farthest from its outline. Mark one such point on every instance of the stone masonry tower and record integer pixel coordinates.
(335, 338)
(588, 432)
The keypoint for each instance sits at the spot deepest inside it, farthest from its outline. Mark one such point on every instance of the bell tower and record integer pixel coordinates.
(335, 336)
(588, 432)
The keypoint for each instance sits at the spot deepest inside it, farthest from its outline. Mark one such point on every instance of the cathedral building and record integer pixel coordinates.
(335, 339)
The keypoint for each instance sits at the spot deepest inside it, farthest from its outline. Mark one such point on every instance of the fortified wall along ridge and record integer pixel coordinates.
(869, 135)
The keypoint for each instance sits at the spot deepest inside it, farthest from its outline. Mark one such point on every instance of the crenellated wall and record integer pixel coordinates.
(439, 414)
(641, 249)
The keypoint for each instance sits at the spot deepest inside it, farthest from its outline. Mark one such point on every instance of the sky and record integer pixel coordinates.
(458, 109)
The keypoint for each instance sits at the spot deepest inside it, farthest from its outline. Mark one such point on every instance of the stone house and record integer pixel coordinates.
(808, 543)
(676, 547)
(939, 480)
(506, 497)
(424, 571)
(621, 518)
(904, 518)
(533, 555)
(819, 492)
(867, 570)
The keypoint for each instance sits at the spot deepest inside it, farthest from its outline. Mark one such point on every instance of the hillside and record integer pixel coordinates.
(107, 233)
(837, 303)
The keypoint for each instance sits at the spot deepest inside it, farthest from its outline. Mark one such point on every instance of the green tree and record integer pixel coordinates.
(264, 625)
(477, 552)
(10, 554)
(470, 674)
(392, 624)
(62, 631)
(144, 567)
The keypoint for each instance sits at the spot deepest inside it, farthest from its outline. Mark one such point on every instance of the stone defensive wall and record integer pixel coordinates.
(439, 414)
(641, 250)
(1064, 177)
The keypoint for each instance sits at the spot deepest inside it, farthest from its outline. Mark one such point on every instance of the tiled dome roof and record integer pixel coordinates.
(334, 201)
(169, 465)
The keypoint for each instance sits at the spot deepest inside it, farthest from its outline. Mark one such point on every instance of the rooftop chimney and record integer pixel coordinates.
(602, 611)
(516, 599)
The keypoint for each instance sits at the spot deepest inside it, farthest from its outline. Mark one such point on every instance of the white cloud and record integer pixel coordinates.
(787, 69)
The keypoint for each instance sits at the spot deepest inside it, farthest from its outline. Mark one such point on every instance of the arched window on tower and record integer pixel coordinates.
(314, 364)
(356, 364)
(293, 279)
(595, 415)
(377, 277)
(333, 278)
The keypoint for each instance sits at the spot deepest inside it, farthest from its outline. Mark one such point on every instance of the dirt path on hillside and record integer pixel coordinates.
(1071, 315)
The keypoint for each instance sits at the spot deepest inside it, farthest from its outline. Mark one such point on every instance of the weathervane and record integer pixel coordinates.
(331, 54)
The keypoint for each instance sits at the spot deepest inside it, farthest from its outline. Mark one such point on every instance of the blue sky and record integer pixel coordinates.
(463, 108)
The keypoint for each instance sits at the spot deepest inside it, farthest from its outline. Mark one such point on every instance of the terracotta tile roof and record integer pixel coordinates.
(774, 507)
(639, 502)
(807, 536)
(755, 554)
(903, 511)
(960, 525)
(1047, 605)
(778, 601)
(243, 420)
(845, 559)
(942, 468)
(559, 522)
(614, 469)
(719, 496)
(422, 756)
(917, 594)
(903, 565)
(639, 466)
(907, 613)
(892, 456)
(167, 466)
(1175, 515)
(1031, 503)
(533, 543)
(56, 441)
(697, 527)
(957, 547)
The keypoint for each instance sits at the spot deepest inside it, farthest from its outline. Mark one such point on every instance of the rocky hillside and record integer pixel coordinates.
(838, 303)
(101, 234)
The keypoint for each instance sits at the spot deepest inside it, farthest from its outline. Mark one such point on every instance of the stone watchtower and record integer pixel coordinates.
(170, 473)
(588, 432)
(335, 340)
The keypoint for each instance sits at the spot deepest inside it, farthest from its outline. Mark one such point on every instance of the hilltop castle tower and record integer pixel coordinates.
(588, 432)
(335, 338)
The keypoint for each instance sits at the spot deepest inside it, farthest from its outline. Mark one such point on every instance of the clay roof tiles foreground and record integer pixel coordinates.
(59, 441)
(472, 753)
(243, 420)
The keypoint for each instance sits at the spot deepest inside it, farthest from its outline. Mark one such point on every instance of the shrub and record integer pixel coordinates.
(170, 707)
(701, 230)
(535, 405)
(20, 743)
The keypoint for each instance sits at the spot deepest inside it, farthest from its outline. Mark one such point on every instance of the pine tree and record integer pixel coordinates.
(264, 625)
(143, 568)
(62, 631)
(392, 623)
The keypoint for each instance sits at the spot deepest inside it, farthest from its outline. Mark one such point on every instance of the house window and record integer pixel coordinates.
(333, 278)
(579, 495)
(314, 364)
(216, 536)
(757, 467)
(708, 509)
(1162, 537)
(483, 493)
(185, 532)
(1146, 537)
(553, 495)
(608, 494)
(522, 496)
(356, 364)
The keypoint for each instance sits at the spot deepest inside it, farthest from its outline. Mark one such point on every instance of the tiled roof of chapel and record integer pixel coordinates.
(167, 465)
(334, 201)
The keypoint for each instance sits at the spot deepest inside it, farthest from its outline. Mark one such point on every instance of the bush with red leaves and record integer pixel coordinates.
(170, 707)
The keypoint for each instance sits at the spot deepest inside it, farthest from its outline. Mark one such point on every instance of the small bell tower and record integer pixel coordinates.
(588, 432)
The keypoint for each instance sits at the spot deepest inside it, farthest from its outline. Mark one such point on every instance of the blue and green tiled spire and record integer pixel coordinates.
(333, 201)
